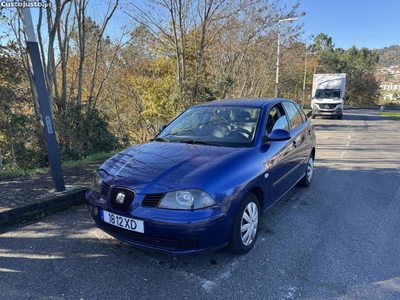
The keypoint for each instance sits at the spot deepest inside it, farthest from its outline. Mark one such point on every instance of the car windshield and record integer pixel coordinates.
(327, 94)
(214, 125)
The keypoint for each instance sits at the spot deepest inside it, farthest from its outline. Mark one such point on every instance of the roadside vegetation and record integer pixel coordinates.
(113, 83)
(17, 172)
(389, 98)
(395, 115)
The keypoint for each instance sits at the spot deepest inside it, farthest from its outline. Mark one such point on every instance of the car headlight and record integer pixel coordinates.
(186, 200)
(96, 182)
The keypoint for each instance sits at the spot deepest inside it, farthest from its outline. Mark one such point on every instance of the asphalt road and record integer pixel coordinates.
(339, 238)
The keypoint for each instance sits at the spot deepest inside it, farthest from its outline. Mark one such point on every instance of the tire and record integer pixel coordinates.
(308, 177)
(340, 117)
(313, 116)
(238, 243)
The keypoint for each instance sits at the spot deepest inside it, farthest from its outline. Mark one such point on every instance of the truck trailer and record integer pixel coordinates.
(328, 95)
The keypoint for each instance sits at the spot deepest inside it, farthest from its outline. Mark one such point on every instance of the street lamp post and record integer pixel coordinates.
(277, 59)
(304, 82)
(36, 69)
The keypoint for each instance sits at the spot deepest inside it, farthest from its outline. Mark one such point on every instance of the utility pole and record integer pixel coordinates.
(277, 59)
(304, 81)
(36, 70)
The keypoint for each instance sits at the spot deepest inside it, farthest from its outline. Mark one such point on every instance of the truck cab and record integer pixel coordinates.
(328, 95)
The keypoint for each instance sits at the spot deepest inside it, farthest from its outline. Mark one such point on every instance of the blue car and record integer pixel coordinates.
(205, 180)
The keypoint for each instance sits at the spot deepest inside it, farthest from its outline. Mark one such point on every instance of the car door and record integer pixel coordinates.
(299, 141)
(279, 157)
(306, 137)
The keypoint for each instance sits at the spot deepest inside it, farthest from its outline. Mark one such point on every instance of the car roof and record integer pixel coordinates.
(249, 102)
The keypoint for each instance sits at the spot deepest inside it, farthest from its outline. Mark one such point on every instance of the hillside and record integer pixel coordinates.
(389, 56)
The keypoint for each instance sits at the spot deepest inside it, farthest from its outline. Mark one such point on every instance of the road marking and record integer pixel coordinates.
(392, 210)
(291, 293)
(206, 285)
(396, 200)
(342, 154)
(9, 270)
(30, 256)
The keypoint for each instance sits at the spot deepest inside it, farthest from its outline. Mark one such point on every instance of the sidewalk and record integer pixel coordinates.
(32, 196)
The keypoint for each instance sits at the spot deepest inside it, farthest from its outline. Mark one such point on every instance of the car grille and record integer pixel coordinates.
(327, 106)
(104, 190)
(148, 240)
(152, 200)
(127, 201)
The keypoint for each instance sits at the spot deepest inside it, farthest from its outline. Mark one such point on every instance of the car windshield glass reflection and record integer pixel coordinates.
(214, 125)
(328, 94)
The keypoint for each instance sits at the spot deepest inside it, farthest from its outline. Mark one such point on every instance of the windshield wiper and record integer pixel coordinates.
(196, 142)
(159, 139)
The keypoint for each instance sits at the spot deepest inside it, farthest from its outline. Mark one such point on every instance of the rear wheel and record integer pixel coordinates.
(340, 117)
(308, 177)
(245, 226)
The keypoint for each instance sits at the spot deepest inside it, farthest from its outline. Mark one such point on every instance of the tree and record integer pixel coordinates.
(358, 64)
(119, 89)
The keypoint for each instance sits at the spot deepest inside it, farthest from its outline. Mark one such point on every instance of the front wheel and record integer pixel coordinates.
(308, 177)
(245, 226)
(340, 117)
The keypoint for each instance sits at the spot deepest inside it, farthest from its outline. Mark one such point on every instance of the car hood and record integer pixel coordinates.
(158, 167)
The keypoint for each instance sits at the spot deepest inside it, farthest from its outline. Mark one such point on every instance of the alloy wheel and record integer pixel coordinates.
(249, 224)
(310, 169)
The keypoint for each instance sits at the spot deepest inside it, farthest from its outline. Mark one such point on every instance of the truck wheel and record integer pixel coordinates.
(313, 116)
(340, 117)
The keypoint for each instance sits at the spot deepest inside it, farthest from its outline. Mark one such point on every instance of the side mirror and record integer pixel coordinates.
(278, 135)
(162, 127)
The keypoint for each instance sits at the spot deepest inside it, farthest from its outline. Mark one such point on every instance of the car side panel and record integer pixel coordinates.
(239, 174)
(281, 164)
(302, 151)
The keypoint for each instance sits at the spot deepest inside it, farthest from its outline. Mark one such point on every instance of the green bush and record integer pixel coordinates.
(80, 135)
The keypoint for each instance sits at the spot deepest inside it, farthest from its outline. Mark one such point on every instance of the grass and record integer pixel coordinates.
(395, 115)
(73, 163)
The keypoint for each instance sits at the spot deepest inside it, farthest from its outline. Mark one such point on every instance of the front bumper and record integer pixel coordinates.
(335, 111)
(172, 231)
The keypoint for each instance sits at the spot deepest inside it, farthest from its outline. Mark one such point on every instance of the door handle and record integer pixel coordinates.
(294, 144)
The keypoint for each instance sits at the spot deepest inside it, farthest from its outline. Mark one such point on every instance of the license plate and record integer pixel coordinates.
(122, 222)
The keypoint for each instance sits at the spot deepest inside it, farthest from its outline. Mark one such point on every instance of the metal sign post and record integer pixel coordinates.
(47, 120)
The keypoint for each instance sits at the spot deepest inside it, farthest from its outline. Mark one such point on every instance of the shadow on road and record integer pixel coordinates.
(346, 222)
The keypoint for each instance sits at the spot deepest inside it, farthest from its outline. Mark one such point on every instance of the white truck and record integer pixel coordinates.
(328, 95)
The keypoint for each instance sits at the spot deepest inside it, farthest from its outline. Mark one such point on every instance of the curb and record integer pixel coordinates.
(42, 207)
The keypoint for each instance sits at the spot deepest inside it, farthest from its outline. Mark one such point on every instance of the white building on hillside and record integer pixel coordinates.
(390, 87)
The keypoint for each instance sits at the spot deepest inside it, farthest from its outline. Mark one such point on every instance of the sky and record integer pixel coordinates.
(363, 23)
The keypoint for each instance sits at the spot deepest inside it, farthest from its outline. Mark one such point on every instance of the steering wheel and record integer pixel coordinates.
(242, 130)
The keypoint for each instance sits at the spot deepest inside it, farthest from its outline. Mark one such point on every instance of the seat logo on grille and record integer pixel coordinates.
(120, 198)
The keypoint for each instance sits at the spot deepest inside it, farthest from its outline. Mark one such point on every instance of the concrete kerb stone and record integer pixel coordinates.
(42, 206)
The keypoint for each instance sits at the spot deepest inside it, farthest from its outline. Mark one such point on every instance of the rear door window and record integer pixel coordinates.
(293, 114)
(302, 113)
